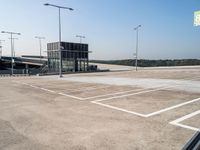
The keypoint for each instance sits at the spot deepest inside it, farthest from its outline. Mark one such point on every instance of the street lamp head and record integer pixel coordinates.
(60, 7)
(39, 37)
(137, 27)
(80, 36)
(10, 32)
(46, 4)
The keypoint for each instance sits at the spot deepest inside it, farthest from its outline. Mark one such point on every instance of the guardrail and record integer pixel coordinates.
(30, 71)
(15, 71)
(15, 75)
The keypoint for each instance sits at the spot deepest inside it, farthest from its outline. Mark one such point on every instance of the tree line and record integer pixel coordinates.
(151, 63)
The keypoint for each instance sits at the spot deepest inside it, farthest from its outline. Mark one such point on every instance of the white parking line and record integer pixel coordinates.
(70, 96)
(142, 92)
(25, 83)
(177, 121)
(51, 91)
(120, 109)
(145, 115)
(34, 86)
(80, 98)
(132, 94)
(47, 90)
(115, 93)
(164, 87)
(173, 107)
(87, 89)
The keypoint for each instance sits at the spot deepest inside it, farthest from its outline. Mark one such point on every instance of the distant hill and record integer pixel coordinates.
(151, 63)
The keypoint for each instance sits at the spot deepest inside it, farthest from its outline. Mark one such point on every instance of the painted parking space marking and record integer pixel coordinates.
(119, 109)
(98, 96)
(87, 89)
(146, 115)
(79, 98)
(34, 86)
(63, 94)
(173, 107)
(48, 90)
(123, 92)
(178, 121)
(98, 101)
(132, 94)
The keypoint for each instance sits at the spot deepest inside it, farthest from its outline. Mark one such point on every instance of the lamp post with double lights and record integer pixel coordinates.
(11, 41)
(13, 45)
(40, 43)
(59, 46)
(136, 54)
(81, 37)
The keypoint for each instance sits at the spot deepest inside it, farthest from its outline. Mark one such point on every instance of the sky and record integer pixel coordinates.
(167, 30)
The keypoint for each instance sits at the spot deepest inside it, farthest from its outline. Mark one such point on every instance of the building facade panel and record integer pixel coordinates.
(74, 57)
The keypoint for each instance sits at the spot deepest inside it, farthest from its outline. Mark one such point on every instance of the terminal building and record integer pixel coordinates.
(75, 57)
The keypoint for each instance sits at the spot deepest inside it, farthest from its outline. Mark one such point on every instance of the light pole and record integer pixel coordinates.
(11, 37)
(40, 43)
(59, 46)
(13, 45)
(1, 48)
(136, 60)
(81, 37)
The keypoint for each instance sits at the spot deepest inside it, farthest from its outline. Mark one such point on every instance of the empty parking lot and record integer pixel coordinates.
(155, 108)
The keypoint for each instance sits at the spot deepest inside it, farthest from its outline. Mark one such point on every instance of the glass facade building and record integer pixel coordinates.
(74, 57)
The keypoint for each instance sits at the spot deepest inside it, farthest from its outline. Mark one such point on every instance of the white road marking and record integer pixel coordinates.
(120, 109)
(186, 127)
(132, 94)
(143, 91)
(146, 115)
(70, 96)
(139, 114)
(177, 121)
(34, 86)
(80, 98)
(173, 107)
(51, 91)
(47, 90)
(25, 83)
(87, 89)
(115, 93)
